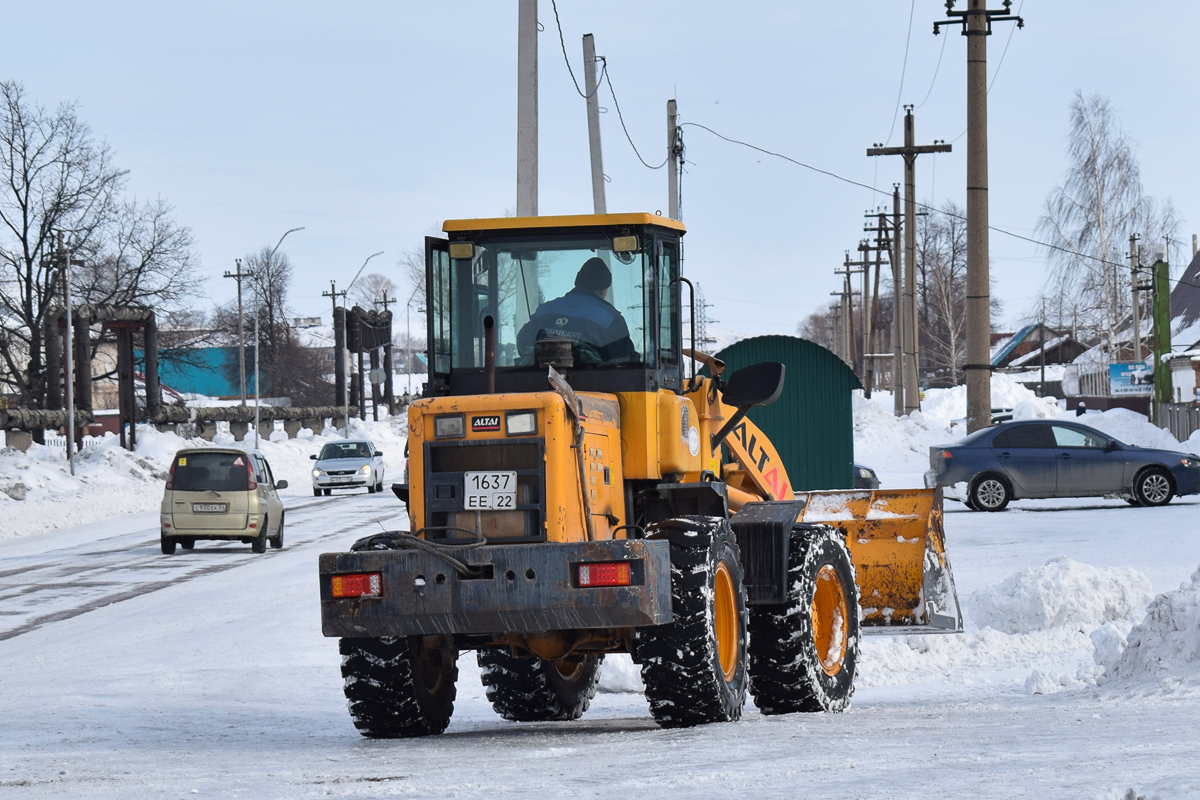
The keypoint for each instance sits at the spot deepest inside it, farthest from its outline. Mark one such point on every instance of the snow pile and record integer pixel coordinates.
(1061, 594)
(619, 675)
(38, 493)
(1133, 428)
(1164, 648)
(952, 403)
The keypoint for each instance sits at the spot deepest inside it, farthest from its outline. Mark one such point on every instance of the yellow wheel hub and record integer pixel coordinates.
(830, 620)
(725, 621)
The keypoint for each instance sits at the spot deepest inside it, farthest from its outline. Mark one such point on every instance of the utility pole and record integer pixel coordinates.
(1162, 336)
(1134, 275)
(674, 157)
(527, 111)
(593, 118)
(388, 362)
(882, 245)
(976, 22)
(910, 151)
(339, 352)
(239, 275)
(897, 304)
(863, 267)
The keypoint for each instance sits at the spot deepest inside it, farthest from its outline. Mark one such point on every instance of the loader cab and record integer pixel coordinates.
(507, 269)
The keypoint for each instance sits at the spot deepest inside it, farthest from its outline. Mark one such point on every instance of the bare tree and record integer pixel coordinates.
(56, 177)
(370, 289)
(942, 268)
(1088, 219)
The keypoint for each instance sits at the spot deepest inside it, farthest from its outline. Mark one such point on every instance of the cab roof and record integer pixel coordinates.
(565, 221)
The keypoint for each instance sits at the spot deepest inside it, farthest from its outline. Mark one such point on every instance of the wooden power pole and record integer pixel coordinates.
(976, 22)
(910, 151)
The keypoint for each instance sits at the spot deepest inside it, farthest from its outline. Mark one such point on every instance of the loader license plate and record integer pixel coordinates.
(209, 508)
(489, 490)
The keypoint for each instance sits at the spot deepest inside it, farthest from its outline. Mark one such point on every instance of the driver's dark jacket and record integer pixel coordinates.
(584, 318)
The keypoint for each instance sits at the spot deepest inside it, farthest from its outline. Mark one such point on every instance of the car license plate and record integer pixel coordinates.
(209, 508)
(489, 490)
(341, 480)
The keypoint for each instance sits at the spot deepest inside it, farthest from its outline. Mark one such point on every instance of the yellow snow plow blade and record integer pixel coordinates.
(898, 547)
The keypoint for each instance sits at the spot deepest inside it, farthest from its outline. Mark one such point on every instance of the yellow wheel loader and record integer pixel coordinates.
(578, 487)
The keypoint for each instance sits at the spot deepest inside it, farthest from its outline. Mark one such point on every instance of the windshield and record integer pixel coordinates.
(573, 288)
(344, 450)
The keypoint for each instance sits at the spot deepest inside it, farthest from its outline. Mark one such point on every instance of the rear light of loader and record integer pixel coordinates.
(363, 584)
(610, 573)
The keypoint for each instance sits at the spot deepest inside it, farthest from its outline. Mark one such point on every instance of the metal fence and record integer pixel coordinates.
(61, 443)
(1181, 419)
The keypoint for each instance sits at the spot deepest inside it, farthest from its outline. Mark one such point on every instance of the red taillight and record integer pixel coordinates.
(171, 478)
(363, 584)
(250, 476)
(610, 573)
(947, 454)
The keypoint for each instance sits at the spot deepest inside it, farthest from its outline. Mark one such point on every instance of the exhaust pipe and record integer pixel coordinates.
(489, 355)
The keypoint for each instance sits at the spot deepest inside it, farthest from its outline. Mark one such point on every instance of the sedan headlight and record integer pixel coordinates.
(365, 469)
(1188, 461)
(317, 473)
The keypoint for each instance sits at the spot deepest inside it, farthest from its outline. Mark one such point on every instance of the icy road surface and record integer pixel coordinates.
(129, 674)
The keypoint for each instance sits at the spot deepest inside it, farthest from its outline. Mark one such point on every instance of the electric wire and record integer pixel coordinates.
(917, 203)
(935, 71)
(1012, 29)
(621, 117)
(903, 68)
(562, 42)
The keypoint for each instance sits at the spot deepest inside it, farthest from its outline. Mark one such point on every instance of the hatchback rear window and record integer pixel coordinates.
(220, 472)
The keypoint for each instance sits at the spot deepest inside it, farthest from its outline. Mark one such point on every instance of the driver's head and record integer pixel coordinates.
(594, 277)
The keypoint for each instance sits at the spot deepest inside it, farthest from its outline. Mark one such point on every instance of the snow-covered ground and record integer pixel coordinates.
(129, 674)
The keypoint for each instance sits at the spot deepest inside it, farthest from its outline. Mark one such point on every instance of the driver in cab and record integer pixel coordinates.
(584, 316)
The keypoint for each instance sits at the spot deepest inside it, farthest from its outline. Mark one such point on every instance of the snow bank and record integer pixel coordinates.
(38, 493)
(619, 675)
(1163, 650)
(1133, 428)
(1061, 594)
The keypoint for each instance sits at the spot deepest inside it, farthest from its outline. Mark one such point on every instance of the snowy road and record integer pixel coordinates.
(204, 674)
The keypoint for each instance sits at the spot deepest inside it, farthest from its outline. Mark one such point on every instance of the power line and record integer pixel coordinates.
(919, 204)
(938, 67)
(903, 67)
(608, 79)
(566, 59)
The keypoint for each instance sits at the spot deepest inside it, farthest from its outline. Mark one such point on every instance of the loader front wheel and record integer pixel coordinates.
(804, 652)
(694, 667)
(529, 689)
(400, 687)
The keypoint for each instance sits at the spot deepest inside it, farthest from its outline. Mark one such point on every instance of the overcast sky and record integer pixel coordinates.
(371, 122)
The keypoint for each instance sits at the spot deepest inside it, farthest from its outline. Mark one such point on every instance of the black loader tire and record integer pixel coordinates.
(400, 687)
(1153, 487)
(694, 667)
(990, 492)
(794, 664)
(529, 689)
(277, 540)
(167, 544)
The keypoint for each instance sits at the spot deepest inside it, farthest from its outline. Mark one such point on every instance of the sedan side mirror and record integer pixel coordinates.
(1112, 445)
(281, 485)
(379, 453)
(313, 457)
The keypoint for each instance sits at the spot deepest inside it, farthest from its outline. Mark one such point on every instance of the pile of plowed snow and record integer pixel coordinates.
(1163, 650)
(1060, 594)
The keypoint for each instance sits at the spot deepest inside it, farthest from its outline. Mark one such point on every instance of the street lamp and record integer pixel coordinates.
(346, 334)
(257, 314)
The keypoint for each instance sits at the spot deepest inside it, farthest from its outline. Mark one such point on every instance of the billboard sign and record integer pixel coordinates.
(1130, 378)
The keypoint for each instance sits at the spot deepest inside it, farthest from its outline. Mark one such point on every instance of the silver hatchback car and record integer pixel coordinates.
(348, 464)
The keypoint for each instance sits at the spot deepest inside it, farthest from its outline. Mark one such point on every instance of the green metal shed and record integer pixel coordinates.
(812, 423)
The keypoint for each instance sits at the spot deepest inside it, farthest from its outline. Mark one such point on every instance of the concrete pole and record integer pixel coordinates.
(593, 118)
(979, 321)
(1135, 305)
(865, 304)
(1162, 336)
(897, 303)
(673, 165)
(912, 389)
(527, 111)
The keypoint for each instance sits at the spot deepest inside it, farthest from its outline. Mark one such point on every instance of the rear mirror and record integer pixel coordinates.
(281, 485)
(313, 456)
(756, 385)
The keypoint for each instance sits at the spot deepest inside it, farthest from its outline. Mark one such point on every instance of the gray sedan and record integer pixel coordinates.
(349, 464)
(1049, 458)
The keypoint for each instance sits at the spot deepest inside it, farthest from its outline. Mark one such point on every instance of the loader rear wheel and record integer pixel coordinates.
(529, 689)
(694, 667)
(803, 653)
(400, 687)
